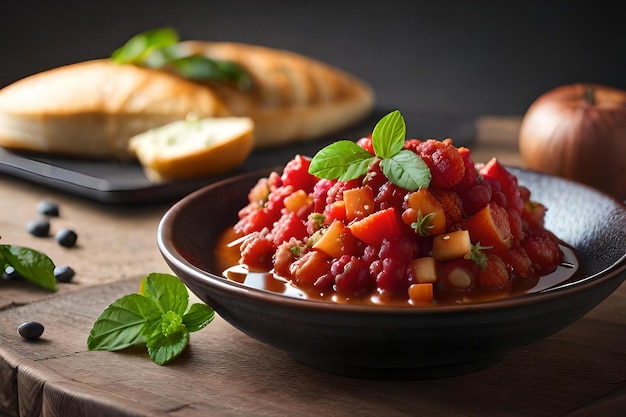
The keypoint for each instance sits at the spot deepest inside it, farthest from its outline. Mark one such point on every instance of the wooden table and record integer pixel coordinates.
(580, 371)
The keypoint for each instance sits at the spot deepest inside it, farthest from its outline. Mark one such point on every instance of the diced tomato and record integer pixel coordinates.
(378, 226)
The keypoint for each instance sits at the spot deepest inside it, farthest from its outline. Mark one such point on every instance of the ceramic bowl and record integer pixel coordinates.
(398, 342)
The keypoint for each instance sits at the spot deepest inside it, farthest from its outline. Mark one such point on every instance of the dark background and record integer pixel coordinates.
(439, 57)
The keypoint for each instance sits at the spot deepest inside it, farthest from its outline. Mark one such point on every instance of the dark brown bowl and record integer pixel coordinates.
(399, 342)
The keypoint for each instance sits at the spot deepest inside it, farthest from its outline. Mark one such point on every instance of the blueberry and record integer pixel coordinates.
(64, 273)
(10, 274)
(48, 208)
(39, 227)
(30, 330)
(66, 237)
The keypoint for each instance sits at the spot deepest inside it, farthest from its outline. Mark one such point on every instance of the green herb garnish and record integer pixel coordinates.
(478, 255)
(345, 160)
(157, 316)
(160, 48)
(30, 264)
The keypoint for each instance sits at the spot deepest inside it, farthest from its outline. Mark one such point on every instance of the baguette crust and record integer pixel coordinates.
(91, 109)
(293, 97)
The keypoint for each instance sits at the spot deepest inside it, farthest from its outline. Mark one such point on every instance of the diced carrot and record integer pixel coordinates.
(297, 200)
(451, 245)
(423, 202)
(421, 293)
(331, 241)
(490, 226)
(359, 202)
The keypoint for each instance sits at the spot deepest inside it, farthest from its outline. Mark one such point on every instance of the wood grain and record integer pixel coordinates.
(580, 371)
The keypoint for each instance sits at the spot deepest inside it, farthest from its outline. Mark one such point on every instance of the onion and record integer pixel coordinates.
(578, 132)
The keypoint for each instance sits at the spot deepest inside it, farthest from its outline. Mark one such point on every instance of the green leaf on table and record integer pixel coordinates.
(33, 265)
(198, 317)
(158, 315)
(167, 293)
(123, 323)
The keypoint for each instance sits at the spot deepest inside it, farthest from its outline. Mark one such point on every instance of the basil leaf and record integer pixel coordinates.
(198, 317)
(31, 264)
(123, 323)
(198, 67)
(389, 135)
(343, 160)
(407, 170)
(138, 48)
(166, 291)
(162, 349)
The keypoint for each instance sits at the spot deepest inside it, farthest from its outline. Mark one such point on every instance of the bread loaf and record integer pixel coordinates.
(293, 97)
(91, 109)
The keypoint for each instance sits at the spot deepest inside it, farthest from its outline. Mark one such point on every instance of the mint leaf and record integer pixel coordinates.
(167, 291)
(407, 170)
(31, 264)
(198, 317)
(123, 323)
(343, 160)
(163, 349)
(389, 134)
(157, 315)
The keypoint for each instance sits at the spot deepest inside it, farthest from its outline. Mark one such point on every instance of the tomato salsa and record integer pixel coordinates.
(414, 221)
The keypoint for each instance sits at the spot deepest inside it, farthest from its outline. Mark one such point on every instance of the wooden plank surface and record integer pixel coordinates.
(580, 371)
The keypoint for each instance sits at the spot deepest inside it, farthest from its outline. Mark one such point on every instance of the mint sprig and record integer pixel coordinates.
(159, 48)
(33, 265)
(157, 316)
(345, 160)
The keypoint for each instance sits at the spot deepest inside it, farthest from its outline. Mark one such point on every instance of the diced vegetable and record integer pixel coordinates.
(421, 293)
(297, 200)
(451, 245)
(424, 270)
(490, 226)
(429, 210)
(359, 202)
(384, 224)
(332, 240)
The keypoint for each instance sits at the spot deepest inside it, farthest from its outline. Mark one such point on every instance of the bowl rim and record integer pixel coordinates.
(546, 295)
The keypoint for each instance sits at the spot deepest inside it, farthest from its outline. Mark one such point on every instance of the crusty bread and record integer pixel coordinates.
(293, 97)
(91, 109)
(194, 148)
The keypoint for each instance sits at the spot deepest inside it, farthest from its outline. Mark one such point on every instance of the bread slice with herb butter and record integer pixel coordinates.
(194, 148)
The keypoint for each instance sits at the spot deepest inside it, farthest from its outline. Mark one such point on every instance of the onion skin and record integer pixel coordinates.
(578, 132)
